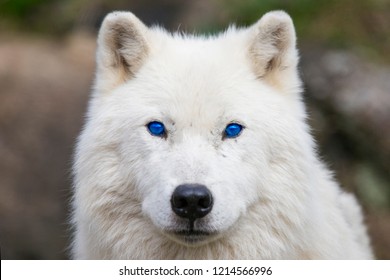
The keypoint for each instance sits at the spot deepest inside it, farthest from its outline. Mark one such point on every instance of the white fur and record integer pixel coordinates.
(273, 199)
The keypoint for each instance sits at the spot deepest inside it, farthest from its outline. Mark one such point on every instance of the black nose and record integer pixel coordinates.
(192, 201)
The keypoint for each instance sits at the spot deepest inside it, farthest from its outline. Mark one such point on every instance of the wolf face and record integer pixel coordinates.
(196, 90)
(190, 140)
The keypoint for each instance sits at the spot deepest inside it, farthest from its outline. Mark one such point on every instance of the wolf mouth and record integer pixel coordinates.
(193, 236)
(192, 233)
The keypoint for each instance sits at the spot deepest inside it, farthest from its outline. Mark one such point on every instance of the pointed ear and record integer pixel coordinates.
(273, 49)
(122, 48)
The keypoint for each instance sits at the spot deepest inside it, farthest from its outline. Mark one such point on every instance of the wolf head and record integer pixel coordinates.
(186, 135)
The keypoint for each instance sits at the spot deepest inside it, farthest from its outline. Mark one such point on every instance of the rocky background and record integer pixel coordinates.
(47, 50)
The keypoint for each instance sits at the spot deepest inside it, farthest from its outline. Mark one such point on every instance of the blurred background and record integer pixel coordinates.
(47, 50)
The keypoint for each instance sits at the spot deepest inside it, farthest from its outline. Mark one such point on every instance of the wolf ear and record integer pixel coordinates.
(273, 49)
(122, 48)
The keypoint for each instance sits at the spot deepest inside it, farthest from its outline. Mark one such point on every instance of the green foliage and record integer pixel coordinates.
(20, 8)
(250, 10)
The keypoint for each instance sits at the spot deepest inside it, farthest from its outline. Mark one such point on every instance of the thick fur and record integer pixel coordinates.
(273, 198)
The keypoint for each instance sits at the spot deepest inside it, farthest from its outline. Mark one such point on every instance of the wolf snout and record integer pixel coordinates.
(191, 201)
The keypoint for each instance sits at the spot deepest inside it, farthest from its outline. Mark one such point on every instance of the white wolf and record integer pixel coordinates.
(198, 148)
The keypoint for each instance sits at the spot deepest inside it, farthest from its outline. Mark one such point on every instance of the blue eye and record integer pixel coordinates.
(233, 130)
(156, 128)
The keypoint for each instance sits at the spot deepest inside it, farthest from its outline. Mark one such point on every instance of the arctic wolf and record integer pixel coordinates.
(197, 147)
